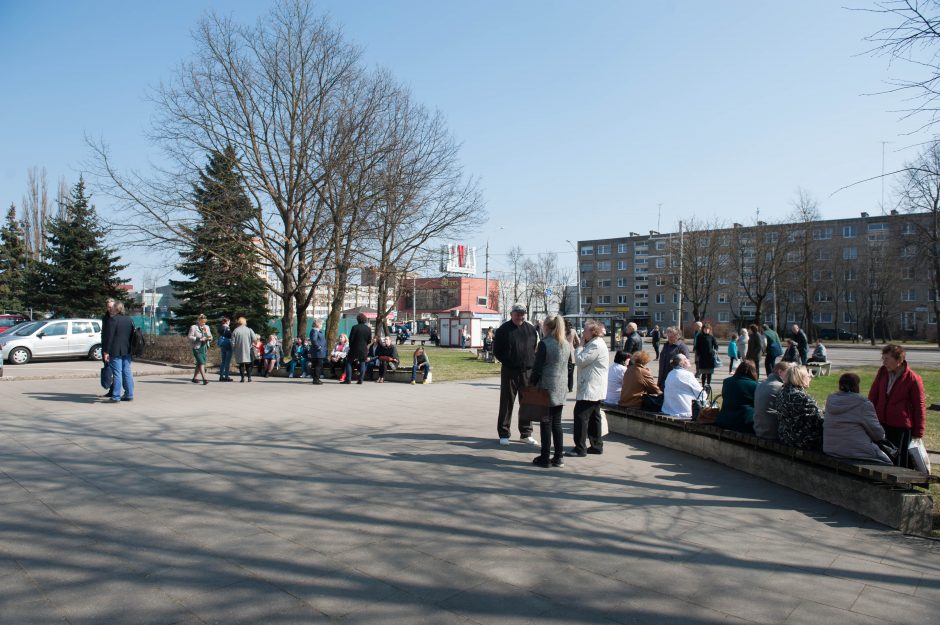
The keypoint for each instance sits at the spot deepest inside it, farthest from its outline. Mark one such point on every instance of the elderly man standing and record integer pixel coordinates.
(802, 343)
(632, 341)
(514, 346)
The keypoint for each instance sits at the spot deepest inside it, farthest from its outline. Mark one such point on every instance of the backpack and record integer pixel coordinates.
(138, 343)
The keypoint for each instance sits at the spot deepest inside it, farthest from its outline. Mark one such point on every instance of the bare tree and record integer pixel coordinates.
(703, 261)
(758, 255)
(919, 192)
(515, 261)
(912, 39)
(36, 211)
(803, 275)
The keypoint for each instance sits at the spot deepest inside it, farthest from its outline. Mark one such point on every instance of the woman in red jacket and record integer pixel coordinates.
(898, 396)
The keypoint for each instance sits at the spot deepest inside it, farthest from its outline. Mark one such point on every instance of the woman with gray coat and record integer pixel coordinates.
(851, 426)
(243, 339)
(550, 372)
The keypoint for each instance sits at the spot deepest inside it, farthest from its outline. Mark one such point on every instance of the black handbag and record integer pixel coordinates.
(107, 376)
(889, 448)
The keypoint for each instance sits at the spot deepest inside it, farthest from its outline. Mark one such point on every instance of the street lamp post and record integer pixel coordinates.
(577, 272)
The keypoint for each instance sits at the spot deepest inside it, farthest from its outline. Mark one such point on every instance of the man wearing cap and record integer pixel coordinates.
(514, 346)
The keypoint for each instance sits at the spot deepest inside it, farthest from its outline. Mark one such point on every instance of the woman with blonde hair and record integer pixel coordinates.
(799, 422)
(550, 373)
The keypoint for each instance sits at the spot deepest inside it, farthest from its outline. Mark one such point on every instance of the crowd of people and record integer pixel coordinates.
(877, 429)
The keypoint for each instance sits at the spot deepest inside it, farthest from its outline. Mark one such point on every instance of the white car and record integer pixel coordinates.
(51, 338)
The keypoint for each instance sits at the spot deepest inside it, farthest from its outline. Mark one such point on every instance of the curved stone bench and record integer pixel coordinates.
(889, 495)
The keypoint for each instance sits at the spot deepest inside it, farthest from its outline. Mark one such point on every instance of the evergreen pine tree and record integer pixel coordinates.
(13, 264)
(222, 262)
(78, 272)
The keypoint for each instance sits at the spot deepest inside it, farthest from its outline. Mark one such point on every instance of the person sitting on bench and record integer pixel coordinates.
(819, 352)
(851, 429)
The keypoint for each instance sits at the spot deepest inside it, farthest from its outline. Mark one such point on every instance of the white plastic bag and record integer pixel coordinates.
(429, 376)
(918, 455)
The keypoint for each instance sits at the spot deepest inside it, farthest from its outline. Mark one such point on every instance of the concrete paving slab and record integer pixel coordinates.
(374, 504)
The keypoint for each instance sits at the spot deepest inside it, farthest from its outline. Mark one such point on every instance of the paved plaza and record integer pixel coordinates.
(281, 503)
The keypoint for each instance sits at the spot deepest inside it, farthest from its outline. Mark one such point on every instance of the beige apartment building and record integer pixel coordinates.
(851, 274)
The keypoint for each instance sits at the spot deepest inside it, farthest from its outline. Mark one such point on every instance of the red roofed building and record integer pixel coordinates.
(436, 296)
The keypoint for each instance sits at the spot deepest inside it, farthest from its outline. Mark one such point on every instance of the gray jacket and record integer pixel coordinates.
(242, 338)
(850, 428)
(551, 369)
(765, 421)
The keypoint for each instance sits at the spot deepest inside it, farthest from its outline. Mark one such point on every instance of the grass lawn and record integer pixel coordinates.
(450, 364)
(823, 386)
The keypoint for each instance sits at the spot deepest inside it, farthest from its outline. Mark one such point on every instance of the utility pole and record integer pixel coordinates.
(679, 299)
(486, 276)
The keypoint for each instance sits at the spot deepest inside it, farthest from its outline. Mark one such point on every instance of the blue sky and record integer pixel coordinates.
(579, 118)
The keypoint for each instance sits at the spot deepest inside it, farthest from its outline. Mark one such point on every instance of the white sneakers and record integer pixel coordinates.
(529, 440)
(504, 441)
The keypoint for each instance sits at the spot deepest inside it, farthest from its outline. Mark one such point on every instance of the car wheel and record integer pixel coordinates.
(95, 353)
(20, 356)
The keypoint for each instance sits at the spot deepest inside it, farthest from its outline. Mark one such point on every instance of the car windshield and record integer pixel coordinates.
(28, 328)
(9, 322)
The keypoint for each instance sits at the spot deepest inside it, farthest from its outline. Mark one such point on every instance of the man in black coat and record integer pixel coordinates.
(105, 322)
(632, 341)
(514, 346)
(116, 351)
(359, 338)
(802, 344)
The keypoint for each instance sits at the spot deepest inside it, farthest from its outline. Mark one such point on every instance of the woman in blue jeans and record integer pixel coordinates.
(420, 362)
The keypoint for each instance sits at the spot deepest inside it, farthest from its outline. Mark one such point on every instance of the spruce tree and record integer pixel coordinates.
(222, 262)
(78, 271)
(13, 264)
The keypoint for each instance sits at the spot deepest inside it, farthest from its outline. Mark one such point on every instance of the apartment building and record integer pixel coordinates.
(852, 270)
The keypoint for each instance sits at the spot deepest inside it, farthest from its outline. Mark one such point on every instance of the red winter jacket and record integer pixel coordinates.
(906, 406)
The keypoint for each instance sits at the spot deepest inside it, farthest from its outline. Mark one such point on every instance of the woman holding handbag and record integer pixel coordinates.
(200, 336)
(550, 373)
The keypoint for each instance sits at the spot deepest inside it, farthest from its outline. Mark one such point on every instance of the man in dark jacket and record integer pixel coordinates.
(514, 346)
(105, 322)
(632, 341)
(116, 351)
(317, 351)
(655, 336)
(359, 338)
(802, 343)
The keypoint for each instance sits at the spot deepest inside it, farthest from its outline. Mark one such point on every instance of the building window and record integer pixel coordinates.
(603, 284)
(660, 245)
(907, 273)
(587, 267)
(603, 265)
(847, 317)
(849, 253)
(603, 249)
(908, 229)
(675, 298)
(824, 254)
(621, 282)
(795, 235)
(586, 300)
(722, 298)
(585, 283)
(849, 275)
(878, 227)
(822, 317)
(641, 270)
(877, 232)
(823, 296)
(660, 263)
(621, 265)
(603, 299)
(820, 275)
(724, 281)
(909, 295)
(849, 232)
(908, 251)
(621, 248)
(793, 256)
(850, 296)
(642, 261)
(621, 299)
(822, 234)
(660, 298)
(658, 316)
(587, 250)
(724, 316)
(791, 317)
(640, 251)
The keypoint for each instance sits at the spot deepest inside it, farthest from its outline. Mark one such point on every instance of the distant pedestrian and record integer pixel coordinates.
(105, 322)
(199, 337)
(571, 335)
(774, 348)
(317, 351)
(359, 338)
(655, 337)
(243, 348)
(116, 352)
(706, 351)
(674, 346)
(755, 346)
(732, 352)
(802, 343)
(225, 350)
(632, 341)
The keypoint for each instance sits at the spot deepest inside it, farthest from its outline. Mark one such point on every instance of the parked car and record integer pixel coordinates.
(52, 338)
(8, 321)
(830, 334)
